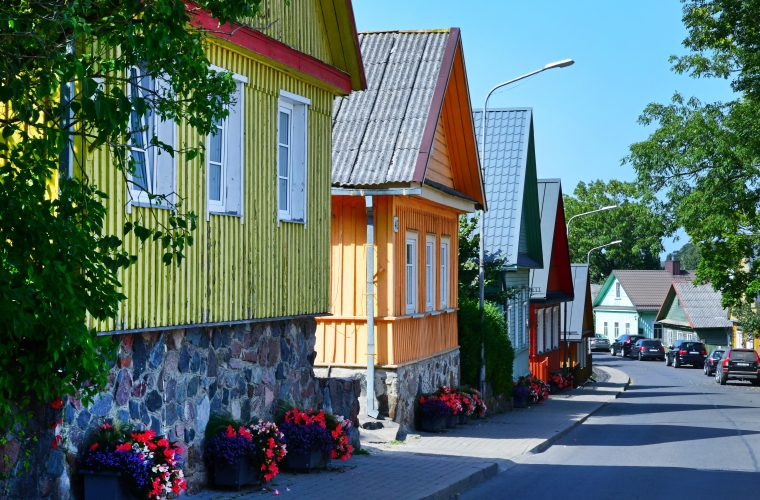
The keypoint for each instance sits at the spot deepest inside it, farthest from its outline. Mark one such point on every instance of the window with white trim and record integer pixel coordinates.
(617, 329)
(555, 328)
(430, 272)
(292, 133)
(606, 332)
(411, 273)
(548, 329)
(539, 331)
(152, 169)
(225, 156)
(445, 272)
(617, 289)
(628, 328)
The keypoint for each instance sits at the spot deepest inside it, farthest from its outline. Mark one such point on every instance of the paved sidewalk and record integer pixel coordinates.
(438, 466)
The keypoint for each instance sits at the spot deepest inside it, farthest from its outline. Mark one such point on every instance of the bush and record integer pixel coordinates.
(499, 353)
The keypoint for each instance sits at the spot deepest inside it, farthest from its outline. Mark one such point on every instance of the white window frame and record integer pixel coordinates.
(232, 180)
(539, 331)
(555, 327)
(617, 289)
(430, 273)
(548, 329)
(606, 331)
(617, 329)
(627, 328)
(297, 107)
(445, 278)
(410, 270)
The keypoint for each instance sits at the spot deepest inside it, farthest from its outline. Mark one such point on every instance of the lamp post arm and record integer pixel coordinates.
(567, 225)
(588, 255)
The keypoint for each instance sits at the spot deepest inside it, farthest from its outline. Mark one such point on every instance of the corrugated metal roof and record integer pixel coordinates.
(647, 288)
(505, 163)
(702, 305)
(595, 289)
(549, 191)
(377, 133)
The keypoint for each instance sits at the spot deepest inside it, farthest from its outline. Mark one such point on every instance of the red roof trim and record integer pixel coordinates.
(257, 42)
(436, 105)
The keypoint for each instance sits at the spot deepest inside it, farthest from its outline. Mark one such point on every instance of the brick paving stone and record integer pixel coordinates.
(438, 465)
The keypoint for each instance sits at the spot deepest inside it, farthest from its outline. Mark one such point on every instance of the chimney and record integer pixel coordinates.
(673, 267)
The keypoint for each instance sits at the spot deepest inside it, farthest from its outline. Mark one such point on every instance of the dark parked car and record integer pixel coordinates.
(712, 361)
(648, 349)
(686, 352)
(599, 343)
(739, 364)
(623, 344)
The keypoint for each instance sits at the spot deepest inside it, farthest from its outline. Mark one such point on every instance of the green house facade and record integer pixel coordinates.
(694, 313)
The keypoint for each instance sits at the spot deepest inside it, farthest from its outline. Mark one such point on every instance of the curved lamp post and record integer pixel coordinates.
(588, 255)
(481, 270)
(587, 213)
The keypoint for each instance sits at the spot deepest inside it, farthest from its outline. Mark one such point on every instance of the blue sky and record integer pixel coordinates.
(585, 115)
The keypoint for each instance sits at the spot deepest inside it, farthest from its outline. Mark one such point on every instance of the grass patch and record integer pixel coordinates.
(396, 441)
(362, 452)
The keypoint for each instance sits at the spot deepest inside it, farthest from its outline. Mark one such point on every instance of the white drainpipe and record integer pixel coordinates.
(371, 410)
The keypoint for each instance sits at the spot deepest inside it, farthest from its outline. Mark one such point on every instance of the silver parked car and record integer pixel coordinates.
(599, 343)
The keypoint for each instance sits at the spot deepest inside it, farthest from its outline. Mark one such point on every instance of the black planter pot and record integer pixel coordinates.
(105, 486)
(553, 388)
(519, 402)
(463, 418)
(433, 425)
(240, 474)
(451, 421)
(307, 460)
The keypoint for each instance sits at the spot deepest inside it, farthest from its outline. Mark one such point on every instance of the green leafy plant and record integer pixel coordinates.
(64, 68)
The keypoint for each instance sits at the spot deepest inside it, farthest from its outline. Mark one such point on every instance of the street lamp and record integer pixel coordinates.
(481, 268)
(588, 255)
(587, 213)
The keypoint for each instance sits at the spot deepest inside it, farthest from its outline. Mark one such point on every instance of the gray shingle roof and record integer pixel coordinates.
(505, 163)
(702, 305)
(595, 289)
(377, 133)
(647, 289)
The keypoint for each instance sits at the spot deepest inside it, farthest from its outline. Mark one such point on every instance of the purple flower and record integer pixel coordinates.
(229, 449)
(433, 409)
(134, 471)
(302, 438)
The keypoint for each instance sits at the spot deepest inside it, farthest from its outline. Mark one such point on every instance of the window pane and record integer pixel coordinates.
(284, 128)
(283, 195)
(215, 184)
(282, 169)
(139, 178)
(215, 153)
(408, 253)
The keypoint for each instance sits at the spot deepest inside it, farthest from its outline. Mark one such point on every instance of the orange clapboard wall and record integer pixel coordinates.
(399, 338)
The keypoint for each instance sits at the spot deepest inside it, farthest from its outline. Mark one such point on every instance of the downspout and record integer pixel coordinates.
(371, 411)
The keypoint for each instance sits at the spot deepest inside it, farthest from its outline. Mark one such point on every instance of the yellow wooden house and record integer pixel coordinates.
(405, 166)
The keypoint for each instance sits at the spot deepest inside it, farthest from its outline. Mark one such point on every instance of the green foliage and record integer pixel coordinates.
(688, 255)
(58, 260)
(469, 255)
(749, 319)
(498, 349)
(634, 221)
(702, 159)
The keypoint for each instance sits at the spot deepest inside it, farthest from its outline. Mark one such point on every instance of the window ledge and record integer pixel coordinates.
(292, 221)
(228, 214)
(417, 315)
(435, 313)
(450, 309)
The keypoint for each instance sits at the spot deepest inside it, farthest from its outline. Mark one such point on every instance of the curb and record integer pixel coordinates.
(540, 448)
(460, 486)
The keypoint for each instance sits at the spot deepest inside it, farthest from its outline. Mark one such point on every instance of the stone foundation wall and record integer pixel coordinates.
(171, 382)
(396, 389)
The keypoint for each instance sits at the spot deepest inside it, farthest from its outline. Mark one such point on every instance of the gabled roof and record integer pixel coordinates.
(645, 288)
(595, 289)
(578, 309)
(384, 136)
(343, 41)
(700, 303)
(512, 223)
(552, 282)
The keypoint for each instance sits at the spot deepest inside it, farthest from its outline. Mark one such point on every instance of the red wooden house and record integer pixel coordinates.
(552, 285)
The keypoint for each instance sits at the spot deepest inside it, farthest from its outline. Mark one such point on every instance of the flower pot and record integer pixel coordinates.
(451, 421)
(306, 460)
(553, 388)
(463, 418)
(105, 486)
(242, 473)
(519, 402)
(433, 425)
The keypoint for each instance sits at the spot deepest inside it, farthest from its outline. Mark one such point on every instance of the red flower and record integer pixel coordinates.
(56, 404)
(94, 447)
(57, 440)
(124, 447)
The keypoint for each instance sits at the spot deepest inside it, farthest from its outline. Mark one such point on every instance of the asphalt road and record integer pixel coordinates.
(675, 433)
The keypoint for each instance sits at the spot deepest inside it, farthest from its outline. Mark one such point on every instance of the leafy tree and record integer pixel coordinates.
(688, 255)
(64, 67)
(469, 255)
(702, 160)
(633, 221)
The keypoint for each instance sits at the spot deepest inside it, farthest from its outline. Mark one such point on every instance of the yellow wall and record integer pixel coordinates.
(233, 271)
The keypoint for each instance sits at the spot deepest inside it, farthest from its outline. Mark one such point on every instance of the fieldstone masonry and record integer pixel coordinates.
(172, 381)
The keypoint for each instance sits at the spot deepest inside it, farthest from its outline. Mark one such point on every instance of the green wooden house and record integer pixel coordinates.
(694, 313)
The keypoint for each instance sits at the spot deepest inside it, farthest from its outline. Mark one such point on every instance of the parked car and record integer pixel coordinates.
(599, 343)
(742, 364)
(686, 352)
(623, 344)
(712, 360)
(648, 349)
